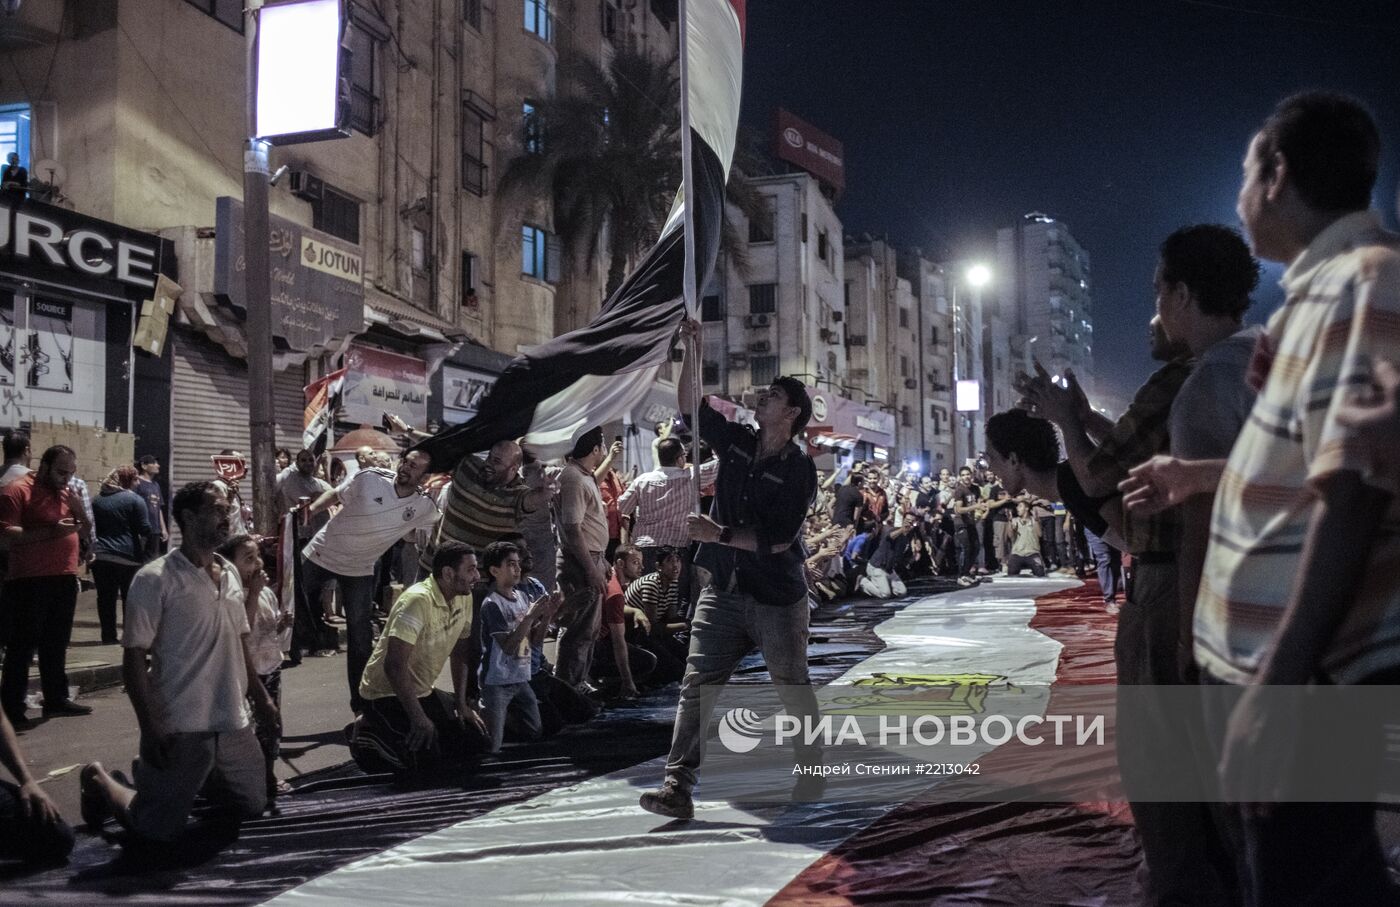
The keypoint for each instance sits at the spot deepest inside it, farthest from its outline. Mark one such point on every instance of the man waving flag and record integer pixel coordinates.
(596, 374)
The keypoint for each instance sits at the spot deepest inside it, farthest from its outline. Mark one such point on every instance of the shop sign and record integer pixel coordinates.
(49, 244)
(377, 382)
(317, 280)
(462, 392)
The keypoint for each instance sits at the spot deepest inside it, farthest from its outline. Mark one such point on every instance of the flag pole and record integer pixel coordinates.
(688, 229)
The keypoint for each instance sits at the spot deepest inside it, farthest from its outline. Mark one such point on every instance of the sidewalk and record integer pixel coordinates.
(92, 665)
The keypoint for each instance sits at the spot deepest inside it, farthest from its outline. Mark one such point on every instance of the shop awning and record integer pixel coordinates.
(408, 320)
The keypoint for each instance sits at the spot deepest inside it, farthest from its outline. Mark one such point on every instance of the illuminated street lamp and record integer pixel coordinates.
(978, 276)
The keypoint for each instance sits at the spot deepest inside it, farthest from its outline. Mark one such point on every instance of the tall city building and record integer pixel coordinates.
(1045, 291)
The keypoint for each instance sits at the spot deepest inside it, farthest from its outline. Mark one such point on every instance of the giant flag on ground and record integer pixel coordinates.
(596, 374)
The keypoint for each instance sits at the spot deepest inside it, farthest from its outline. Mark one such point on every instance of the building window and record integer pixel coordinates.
(364, 101)
(538, 20)
(904, 366)
(761, 228)
(420, 251)
(763, 299)
(473, 151)
(937, 417)
(336, 213)
(539, 254)
(823, 245)
(532, 135)
(904, 318)
(763, 370)
(14, 134)
(933, 335)
(846, 287)
(471, 13)
(905, 418)
(709, 372)
(611, 16)
(229, 12)
(712, 308)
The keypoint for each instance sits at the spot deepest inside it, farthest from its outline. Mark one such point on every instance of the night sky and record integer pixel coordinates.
(1123, 118)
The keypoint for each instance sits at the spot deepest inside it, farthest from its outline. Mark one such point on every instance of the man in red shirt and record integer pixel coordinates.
(42, 520)
(613, 658)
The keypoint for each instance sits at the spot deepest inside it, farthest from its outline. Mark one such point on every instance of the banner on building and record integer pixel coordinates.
(379, 382)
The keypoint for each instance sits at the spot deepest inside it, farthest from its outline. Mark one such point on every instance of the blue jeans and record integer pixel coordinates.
(727, 626)
(1110, 564)
(357, 598)
(516, 698)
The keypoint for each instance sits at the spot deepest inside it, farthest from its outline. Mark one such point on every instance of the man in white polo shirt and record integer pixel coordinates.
(187, 613)
(378, 507)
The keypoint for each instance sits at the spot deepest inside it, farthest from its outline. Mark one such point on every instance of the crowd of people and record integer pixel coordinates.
(1244, 485)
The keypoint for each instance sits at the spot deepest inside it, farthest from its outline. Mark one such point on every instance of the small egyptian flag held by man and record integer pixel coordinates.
(322, 400)
(596, 374)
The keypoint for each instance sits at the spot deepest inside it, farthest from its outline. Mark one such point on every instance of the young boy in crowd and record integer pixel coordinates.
(268, 623)
(507, 620)
(559, 704)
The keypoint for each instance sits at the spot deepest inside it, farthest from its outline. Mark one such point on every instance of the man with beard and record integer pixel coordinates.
(186, 613)
(378, 507)
(488, 500)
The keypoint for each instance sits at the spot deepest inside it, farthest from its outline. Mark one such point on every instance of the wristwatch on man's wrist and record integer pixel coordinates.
(725, 534)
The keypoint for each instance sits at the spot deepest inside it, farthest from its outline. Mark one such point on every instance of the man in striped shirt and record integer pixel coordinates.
(1299, 582)
(662, 499)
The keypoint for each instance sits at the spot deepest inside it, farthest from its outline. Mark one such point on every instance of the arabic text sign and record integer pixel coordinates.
(377, 382)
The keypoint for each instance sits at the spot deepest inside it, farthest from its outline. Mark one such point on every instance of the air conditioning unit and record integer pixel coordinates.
(759, 321)
(738, 360)
(830, 336)
(307, 187)
(838, 317)
(855, 340)
(858, 373)
(910, 383)
(761, 346)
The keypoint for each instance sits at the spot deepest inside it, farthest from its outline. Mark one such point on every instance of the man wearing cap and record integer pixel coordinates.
(751, 544)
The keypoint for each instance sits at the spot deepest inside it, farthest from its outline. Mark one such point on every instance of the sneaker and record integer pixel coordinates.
(671, 801)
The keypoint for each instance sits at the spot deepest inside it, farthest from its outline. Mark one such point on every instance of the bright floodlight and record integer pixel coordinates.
(298, 74)
(979, 275)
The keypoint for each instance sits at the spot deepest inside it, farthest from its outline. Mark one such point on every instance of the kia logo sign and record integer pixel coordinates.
(793, 137)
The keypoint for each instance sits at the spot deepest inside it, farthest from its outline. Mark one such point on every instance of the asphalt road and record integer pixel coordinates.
(315, 708)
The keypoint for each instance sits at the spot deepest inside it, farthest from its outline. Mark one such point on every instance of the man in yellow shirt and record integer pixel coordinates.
(407, 725)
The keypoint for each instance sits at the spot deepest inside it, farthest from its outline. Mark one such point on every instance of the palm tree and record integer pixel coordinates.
(610, 154)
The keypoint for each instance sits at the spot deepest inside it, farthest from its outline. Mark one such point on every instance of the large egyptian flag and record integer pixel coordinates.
(594, 375)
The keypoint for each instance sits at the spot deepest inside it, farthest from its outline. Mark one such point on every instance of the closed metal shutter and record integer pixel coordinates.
(209, 407)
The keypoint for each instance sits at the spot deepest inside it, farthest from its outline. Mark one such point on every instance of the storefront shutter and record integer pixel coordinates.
(209, 407)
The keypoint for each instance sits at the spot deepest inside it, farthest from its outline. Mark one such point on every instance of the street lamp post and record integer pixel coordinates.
(258, 290)
(977, 276)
